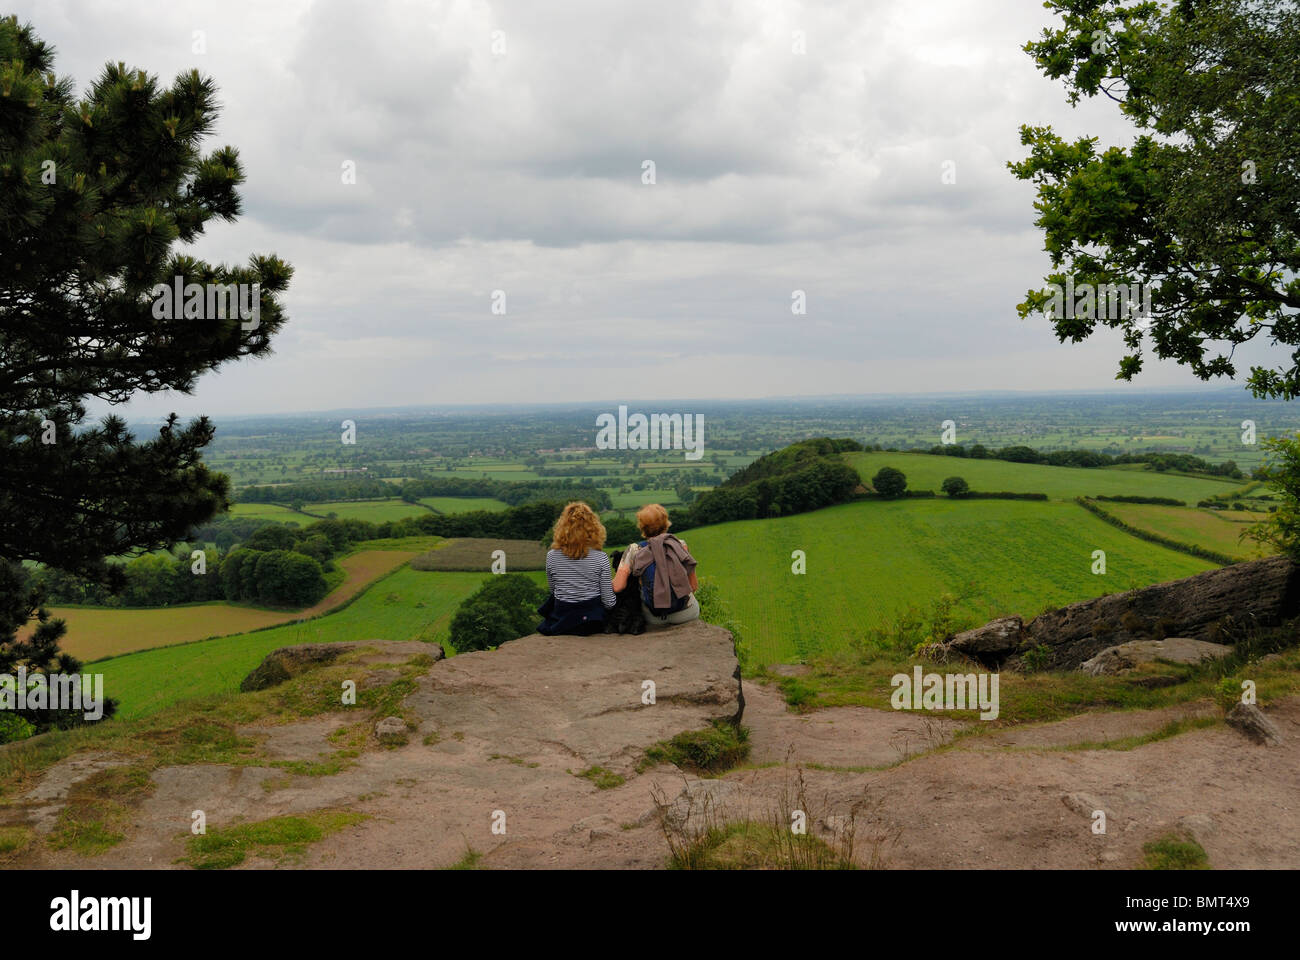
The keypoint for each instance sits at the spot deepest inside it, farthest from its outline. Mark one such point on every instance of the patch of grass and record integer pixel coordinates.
(798, 695)
(790, 618)
(13, 841)
(471, 861)
(1171, 729)
(712, 750)
(96, 814)
(748, 845)
(275, 839)
(602, 778)
(1174, 852)
(704, 837)
(432, 739)
(475, 554)
(863, 679)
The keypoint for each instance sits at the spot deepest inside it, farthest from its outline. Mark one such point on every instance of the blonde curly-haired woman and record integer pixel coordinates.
(578, 572)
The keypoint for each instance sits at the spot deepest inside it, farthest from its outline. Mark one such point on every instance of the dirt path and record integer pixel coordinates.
(1015, 799)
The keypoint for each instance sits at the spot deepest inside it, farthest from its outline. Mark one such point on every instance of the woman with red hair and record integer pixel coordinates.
(578, 572)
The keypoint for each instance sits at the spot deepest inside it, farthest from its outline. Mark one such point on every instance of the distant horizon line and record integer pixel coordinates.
(470, 405)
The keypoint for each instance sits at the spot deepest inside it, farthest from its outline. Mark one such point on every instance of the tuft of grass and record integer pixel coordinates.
(602, 778)
(13, 841)
(798, 695)
(96, 814)
(472, 860)
(750, 845)
(275, 839)
(705, 837)
(712, 750)
(1174, 851)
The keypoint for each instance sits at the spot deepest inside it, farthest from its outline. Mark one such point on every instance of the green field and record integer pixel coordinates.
(867, 561)
(1218, 530)
(464, 504)
(637, 499)
(372, 511)
(927, 472)
(406, 605)
(268, 511)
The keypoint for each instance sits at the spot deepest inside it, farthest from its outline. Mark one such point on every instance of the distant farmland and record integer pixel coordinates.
(475, 554)
(867, 561)
(95, 632)
(373, 511)
(268, 511)
(464, 504)
(927, 472)
(407, 605)
(1218, 530)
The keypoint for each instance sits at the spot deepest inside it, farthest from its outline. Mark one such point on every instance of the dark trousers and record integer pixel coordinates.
(578, 618)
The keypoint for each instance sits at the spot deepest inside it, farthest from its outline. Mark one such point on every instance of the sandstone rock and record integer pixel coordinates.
(1199, 825)
(1264, 591)
(279, 665)
(1128, 656)
(390, 726)
(1251, 721)
(1085, 805)
(991, 643)
(269, 673)
(584, 694)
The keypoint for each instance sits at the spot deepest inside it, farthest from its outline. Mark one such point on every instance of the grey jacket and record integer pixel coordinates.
(673, 564)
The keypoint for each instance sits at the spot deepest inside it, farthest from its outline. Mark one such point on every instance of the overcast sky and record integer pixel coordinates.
(520, 169)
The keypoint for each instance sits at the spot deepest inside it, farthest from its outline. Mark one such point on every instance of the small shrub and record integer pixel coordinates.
(714, 749)
(1174, 852)
(14, 728)
(1037, 658)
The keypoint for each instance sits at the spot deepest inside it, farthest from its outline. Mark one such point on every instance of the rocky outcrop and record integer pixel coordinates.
(602, 700)
(1132, 655)
(1251, 721)
(1260, 593)
(990, 644)
(279, 665)
(1264, 592)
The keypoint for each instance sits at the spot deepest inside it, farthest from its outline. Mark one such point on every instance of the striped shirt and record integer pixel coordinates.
(573, 581)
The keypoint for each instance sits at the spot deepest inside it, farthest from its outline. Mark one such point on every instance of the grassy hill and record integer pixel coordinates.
(927, 472)
(406, 605)
(868, 561)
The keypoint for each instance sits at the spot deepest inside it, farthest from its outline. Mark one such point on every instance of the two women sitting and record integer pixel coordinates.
(582, 588)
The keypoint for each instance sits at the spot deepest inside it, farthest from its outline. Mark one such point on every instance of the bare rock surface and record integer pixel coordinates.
(992, 643)
(1126, 657)
(584, 696)
(1263, 591)
(504, 736)
(1253, 722)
